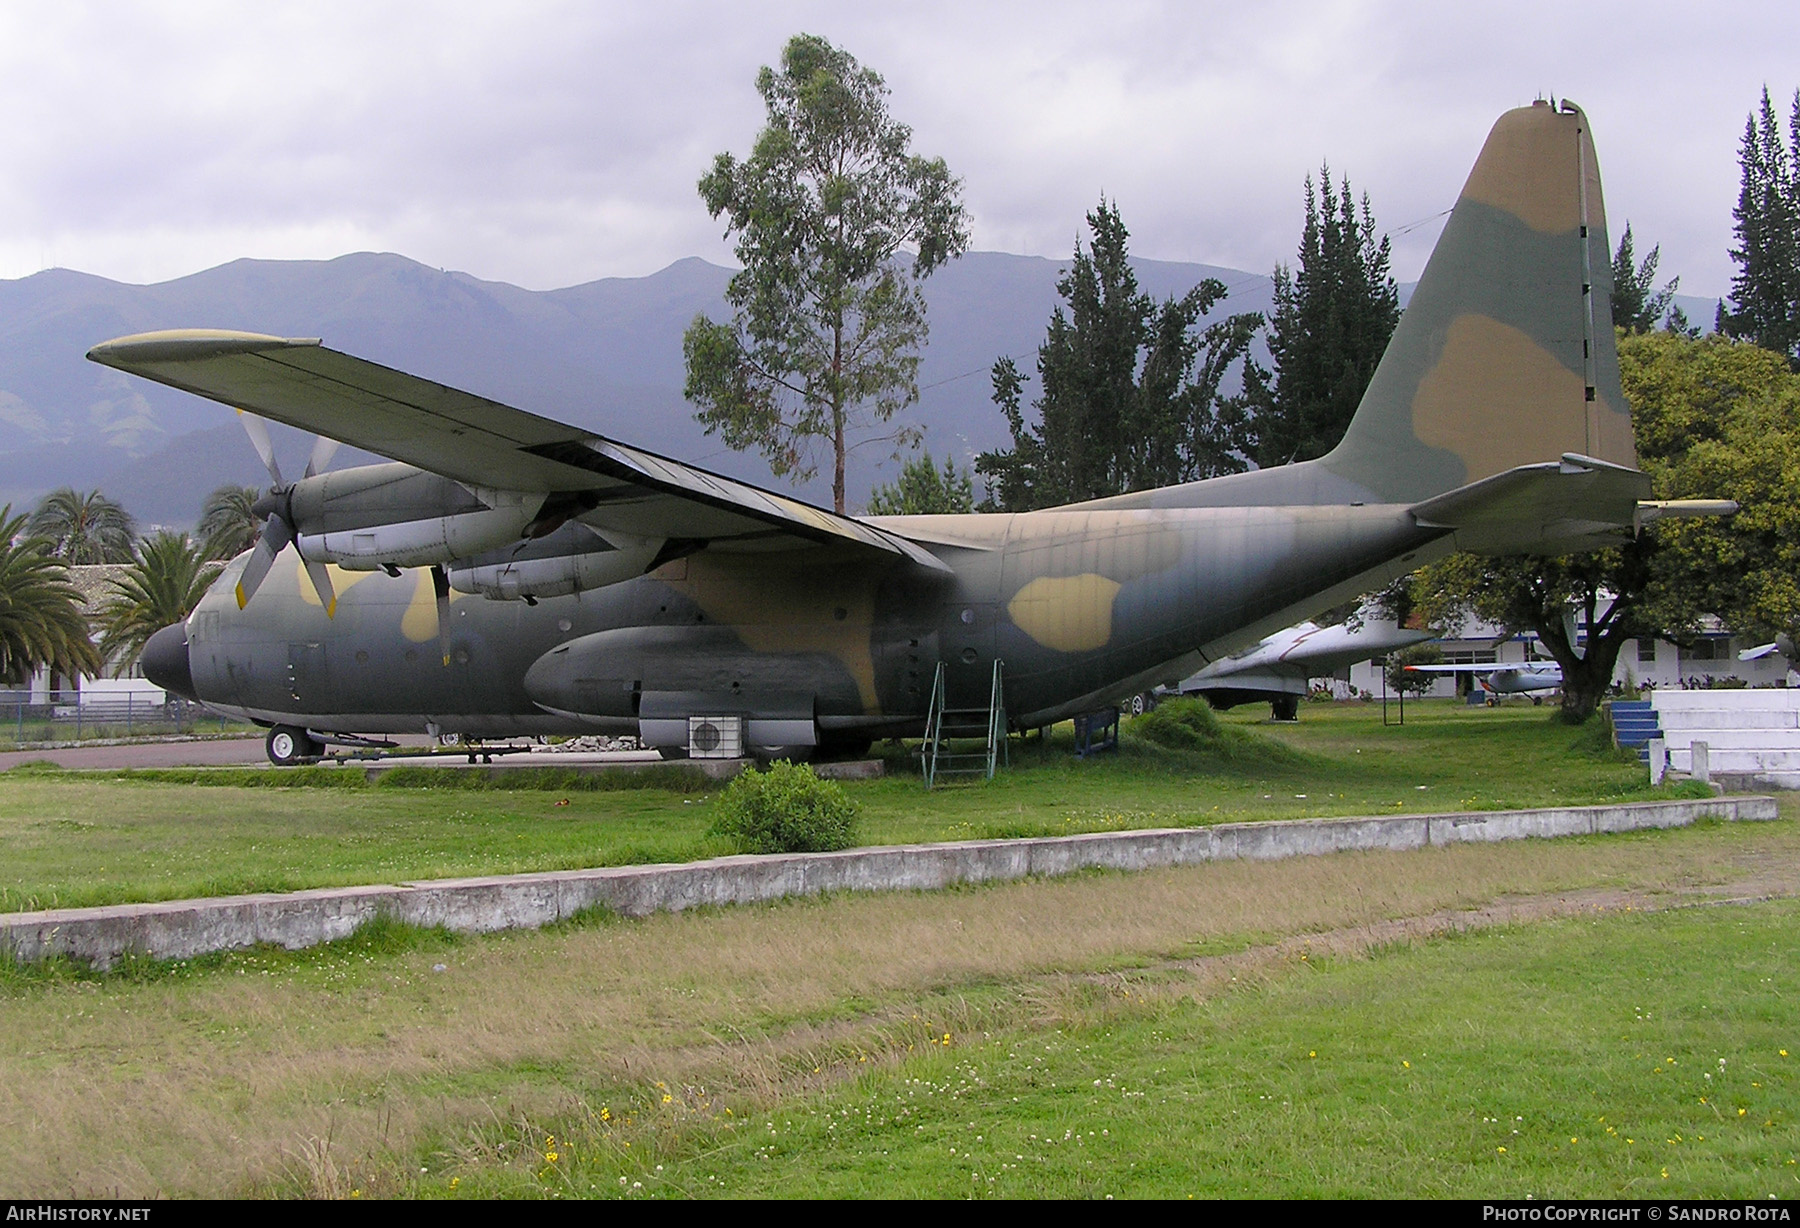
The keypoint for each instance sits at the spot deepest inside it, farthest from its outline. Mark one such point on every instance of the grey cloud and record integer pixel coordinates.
(554, 143)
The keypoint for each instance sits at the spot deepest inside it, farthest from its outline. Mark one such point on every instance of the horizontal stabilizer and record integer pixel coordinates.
(1578, 503)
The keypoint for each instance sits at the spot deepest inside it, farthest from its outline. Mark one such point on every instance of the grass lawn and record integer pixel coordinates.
(1559, 1018)
(1624, 1056)
(84, 838)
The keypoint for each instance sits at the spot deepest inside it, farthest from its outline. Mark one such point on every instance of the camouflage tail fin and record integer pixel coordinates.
(1505, 356)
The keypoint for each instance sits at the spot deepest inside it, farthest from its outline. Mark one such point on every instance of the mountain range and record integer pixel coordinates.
(604, 355)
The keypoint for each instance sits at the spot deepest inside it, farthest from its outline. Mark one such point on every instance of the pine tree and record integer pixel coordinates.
(1637, 308)
(924, 490)
(1130, 388)
(1766, 291)
(1333, 316)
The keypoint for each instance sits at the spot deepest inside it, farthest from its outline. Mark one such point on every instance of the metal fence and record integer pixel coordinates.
(73, 716)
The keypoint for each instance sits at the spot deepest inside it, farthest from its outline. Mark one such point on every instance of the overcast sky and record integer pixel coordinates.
(549, 143)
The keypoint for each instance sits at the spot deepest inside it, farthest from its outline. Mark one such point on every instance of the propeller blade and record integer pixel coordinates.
(440, 584)
(275, 536)
(321, 582)
(258, 430)
(324, 447)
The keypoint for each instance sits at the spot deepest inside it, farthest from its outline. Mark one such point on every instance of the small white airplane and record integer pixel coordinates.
(1499, 678)
(1782, 644)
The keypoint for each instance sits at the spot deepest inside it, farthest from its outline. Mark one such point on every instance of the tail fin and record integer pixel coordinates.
(1505, 355)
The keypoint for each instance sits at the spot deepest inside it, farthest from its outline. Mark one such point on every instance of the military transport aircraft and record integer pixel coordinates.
(509, 575)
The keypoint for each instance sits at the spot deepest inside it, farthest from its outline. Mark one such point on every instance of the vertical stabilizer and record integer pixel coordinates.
(1505, 356)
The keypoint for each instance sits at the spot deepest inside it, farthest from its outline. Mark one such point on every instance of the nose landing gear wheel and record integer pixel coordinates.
(288, 746)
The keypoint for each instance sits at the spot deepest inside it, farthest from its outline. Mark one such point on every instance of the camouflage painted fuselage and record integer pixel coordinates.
(1081, 606)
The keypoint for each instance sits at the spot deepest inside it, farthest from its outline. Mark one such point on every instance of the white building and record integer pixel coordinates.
(1711, 659)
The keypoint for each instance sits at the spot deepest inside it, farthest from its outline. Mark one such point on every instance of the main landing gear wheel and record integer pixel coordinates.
(288, 746)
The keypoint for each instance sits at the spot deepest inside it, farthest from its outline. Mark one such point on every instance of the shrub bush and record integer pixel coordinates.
(786, 809)
(1181, 724)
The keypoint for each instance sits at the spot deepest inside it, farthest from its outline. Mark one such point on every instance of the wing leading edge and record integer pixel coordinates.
(479, 442)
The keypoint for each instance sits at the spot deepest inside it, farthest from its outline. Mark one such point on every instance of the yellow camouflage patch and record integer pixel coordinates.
(341, 581)
(1498, 399)
(1066, 613)
(1530, 168)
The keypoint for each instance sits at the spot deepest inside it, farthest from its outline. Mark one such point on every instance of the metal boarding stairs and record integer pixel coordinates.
(944, 725)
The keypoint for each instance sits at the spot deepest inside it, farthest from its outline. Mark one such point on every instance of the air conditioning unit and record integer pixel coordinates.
(715, 737)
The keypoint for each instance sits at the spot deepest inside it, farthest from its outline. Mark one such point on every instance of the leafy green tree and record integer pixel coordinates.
(1410, 681)
(1714, 418)
(1766, 291)
(924, 490)
(1130, 388)
(161, 587)
(40, 611)
(83, 528)
(227, 525)
(1637, 307)
(1333, 316)
(1735, 410)
(1605, 589)
(829, 316)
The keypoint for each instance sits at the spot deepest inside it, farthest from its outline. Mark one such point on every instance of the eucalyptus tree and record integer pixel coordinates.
(823, 348)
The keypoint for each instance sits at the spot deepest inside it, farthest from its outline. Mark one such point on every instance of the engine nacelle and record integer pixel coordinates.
(571, 560)
(395, 515)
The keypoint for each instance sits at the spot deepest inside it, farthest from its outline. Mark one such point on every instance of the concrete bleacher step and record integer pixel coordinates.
(1747, 759)
(1735, 739)
(1666, 700)
(1726, 718)
(1753, 735)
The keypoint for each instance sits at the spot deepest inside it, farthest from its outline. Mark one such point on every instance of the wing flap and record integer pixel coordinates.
(481, 442)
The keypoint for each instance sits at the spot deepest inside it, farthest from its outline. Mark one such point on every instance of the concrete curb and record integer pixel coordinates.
(183, 928)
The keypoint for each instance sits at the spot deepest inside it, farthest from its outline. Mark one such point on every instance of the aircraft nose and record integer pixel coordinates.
(165, 661)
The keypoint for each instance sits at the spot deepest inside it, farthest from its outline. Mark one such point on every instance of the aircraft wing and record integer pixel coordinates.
(482, 443)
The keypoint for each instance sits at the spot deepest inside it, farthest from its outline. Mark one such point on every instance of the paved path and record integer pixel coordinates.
(248, 751)
(213, 752)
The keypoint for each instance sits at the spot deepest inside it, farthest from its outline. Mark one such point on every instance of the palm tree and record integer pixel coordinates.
(81, 528)
(227, 525)
(162, 586)
(40, 611)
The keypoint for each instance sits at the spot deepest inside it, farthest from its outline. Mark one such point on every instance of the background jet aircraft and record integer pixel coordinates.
(1281, 668)
(512, 575)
